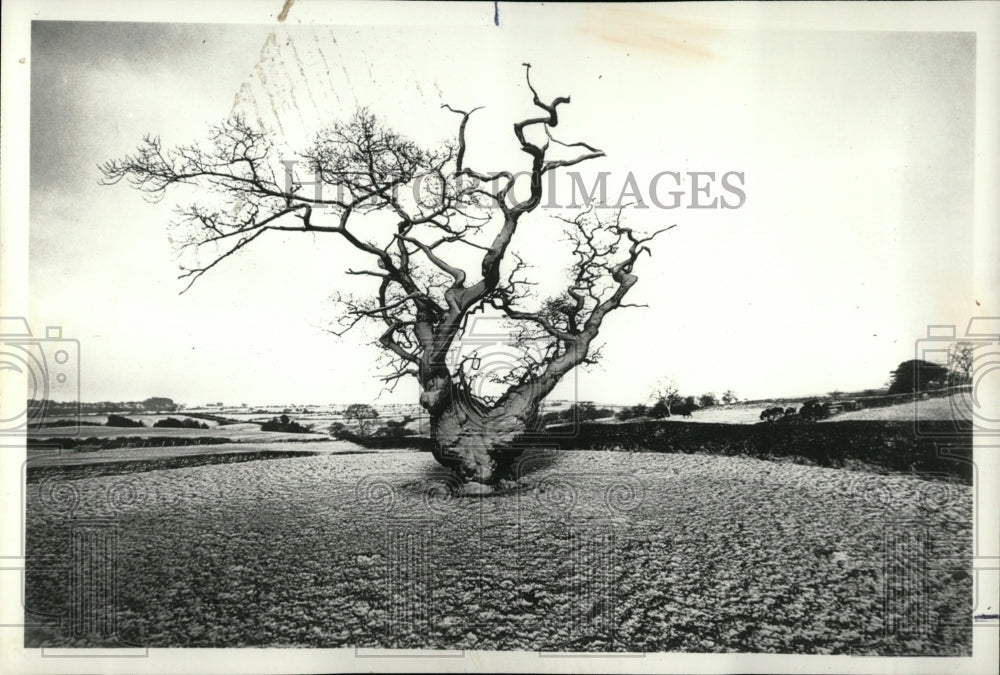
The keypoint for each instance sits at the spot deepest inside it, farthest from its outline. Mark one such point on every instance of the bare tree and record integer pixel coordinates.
(442, 212)
(666, 394)
(960, 359)
(361, 413)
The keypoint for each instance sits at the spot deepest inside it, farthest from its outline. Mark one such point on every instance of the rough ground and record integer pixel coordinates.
(599, 551)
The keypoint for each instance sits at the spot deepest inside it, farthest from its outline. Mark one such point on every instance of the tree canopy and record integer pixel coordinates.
(917, 375)
(415, 217)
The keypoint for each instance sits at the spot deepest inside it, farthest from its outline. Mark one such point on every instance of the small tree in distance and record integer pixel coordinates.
(158, 403)
(361, 413)
(666, 395)
(960, 359)
(729, 397)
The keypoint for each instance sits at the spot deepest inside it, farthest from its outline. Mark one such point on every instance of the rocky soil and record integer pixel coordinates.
(590, 551)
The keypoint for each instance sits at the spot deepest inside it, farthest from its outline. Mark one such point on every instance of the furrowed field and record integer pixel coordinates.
(595, 551)
(234, 432)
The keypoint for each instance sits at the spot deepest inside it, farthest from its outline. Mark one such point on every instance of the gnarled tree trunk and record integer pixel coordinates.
(477, 446)
(476, 441)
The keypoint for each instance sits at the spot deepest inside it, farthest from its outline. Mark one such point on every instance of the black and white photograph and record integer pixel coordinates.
(464, 337)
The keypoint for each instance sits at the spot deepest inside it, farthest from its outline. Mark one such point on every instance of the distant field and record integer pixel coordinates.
(44, 464)
(46, 458)
(945, 408)
(738, 413)
(321, 421)
(239, 433)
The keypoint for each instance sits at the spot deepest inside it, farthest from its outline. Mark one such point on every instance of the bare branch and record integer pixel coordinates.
(461, 133)
(420, 295)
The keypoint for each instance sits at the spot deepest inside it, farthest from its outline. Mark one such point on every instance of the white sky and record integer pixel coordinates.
(857, 232)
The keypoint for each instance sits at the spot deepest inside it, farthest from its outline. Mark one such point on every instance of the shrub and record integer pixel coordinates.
(119, 421)
(633, 412)
(340, 431)
(63, 423)
(707, 400)
(395, 429)
(284, 424)
(772, 414)
(813, 410)
(686, 406)
(578, 412)
(659, 410)
(917, 375)
(174, 423)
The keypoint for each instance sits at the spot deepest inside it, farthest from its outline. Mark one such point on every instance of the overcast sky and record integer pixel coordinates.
(856, 232)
